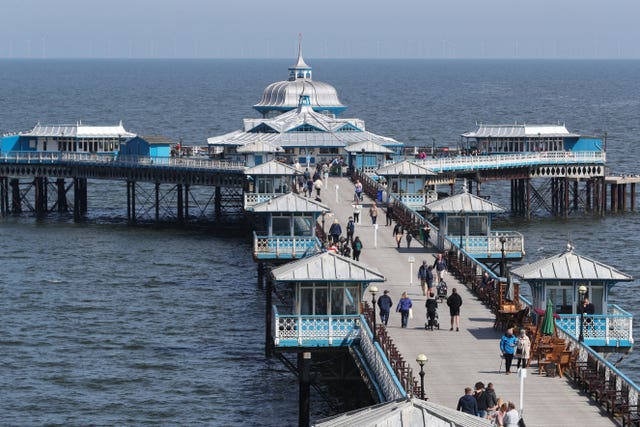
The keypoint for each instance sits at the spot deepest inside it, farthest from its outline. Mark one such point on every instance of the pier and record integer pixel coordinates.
(457, 359)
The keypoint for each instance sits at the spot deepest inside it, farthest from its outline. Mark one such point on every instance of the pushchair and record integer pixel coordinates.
(442, 290)
(432, 315)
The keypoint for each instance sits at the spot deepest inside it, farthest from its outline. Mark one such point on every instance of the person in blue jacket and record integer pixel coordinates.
(335, 231)
(385, 304)
(508, 344)
(404, 305)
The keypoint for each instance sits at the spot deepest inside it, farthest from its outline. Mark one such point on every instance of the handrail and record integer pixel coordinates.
(496, 161)
(116, 160)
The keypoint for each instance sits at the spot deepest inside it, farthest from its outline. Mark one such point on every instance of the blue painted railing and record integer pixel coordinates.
(490, 246)
(111, 159)
(293, 330)
(613, 329)
(285, 247)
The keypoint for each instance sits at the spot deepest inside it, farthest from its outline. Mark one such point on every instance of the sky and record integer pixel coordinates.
(558, 29)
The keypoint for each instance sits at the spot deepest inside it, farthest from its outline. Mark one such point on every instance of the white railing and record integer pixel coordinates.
(498, 161)
(252, 199)
(417, 200)
(490, 245)
(308, 330)
(380, 367)
(285, 246)
(611, 329)
(44, 157)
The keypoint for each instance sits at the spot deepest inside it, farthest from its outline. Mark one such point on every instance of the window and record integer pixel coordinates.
(281, 226)
(478, 226)
(306, 128)
(302, 225)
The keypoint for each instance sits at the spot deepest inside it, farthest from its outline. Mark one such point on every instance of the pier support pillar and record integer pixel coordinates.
(565, 199)
(180, 204)
(4, 196)
(63, 205)
(576, 193)
(268, 338)
(186, 202)
(131, 202)
(528, 198)
(16, 199)
(588, 189)
(40, 186)
(614, 197)
(304, 379)
(632, 196)
(157, 202)
(623, 196)
(218, 203)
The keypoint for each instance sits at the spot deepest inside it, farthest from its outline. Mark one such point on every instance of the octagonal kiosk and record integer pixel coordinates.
(366, 156)
(410, 183)
(286, 227)
(259, 152)
(328, 292)
(465, 225)
(559, 278)
(267, 181)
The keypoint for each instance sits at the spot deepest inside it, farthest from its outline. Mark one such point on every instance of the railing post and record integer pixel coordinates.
(606, 330)
(330, 339)
(299, 330)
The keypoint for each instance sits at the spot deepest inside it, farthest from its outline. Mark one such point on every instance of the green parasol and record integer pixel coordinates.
(548, 324)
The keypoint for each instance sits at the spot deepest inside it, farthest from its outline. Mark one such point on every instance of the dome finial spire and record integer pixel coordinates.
(300, 70)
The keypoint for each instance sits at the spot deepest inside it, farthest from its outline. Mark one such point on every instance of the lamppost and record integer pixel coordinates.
(373, 290)
(433, 147)
(582, 290)
(421, 359)
(502, 264)
(400, 183)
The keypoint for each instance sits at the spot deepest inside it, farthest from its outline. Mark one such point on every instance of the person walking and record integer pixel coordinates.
(404, 306)
(358, 192)
(467, 403)
(409, 238)
(432, 307)
(335, 231)
(318, 186)
(492, 401)
(389, 213)
(588, 309)
(482, 399)
(426, 233)
(356, 212)
(310, 187)
(440, 265)
(351, 228)
(373, 213)
(508, 344)
(398, 232)
(423, 275)
(523, 349)
(454, 302)
(385, 304)
(357, 248)
(511, 418)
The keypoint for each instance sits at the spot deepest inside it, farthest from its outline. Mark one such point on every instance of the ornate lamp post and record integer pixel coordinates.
(421, 359)
(582, 290)
(502, 264)
(373, 290)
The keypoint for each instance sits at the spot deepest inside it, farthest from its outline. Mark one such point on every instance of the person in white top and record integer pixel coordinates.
(512, 417)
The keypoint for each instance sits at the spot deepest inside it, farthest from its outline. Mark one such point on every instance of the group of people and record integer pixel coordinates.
(518, 347)
(484, 403)
(307, 183)
(345, 246)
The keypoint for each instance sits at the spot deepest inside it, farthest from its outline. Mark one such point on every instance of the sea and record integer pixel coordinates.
(106, 324)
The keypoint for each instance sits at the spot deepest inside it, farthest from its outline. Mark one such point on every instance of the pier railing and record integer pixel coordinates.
(612, 329)
(618, 393)
(111, 159)
(284, 247)
(378, 363)
(291, 330)
(491, 246)
(498, 161)
(402, 368)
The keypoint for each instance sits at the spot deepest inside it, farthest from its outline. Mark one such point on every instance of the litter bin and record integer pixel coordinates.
(380, 195)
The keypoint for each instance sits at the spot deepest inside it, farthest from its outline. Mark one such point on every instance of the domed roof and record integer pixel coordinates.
(285, 95)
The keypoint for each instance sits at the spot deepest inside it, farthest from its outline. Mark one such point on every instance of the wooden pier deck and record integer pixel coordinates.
(457, 359)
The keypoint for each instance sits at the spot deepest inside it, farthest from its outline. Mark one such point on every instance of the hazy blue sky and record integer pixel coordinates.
(331, 28)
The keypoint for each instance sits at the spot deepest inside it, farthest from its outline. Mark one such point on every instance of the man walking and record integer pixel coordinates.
(454, 302)
(351, 228)
(426, 277)
(385, 304)
(389, 213)
(467, 403)
(440, 265)
(335, 231)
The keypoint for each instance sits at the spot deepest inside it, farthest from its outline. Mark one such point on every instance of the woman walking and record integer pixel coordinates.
(508, 344)
(454, 302)
(373, 213)
(397, 233)
(523, 349)
(357, 248)
(404, 306)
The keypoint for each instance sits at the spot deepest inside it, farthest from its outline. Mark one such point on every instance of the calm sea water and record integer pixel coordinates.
(109, 325)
